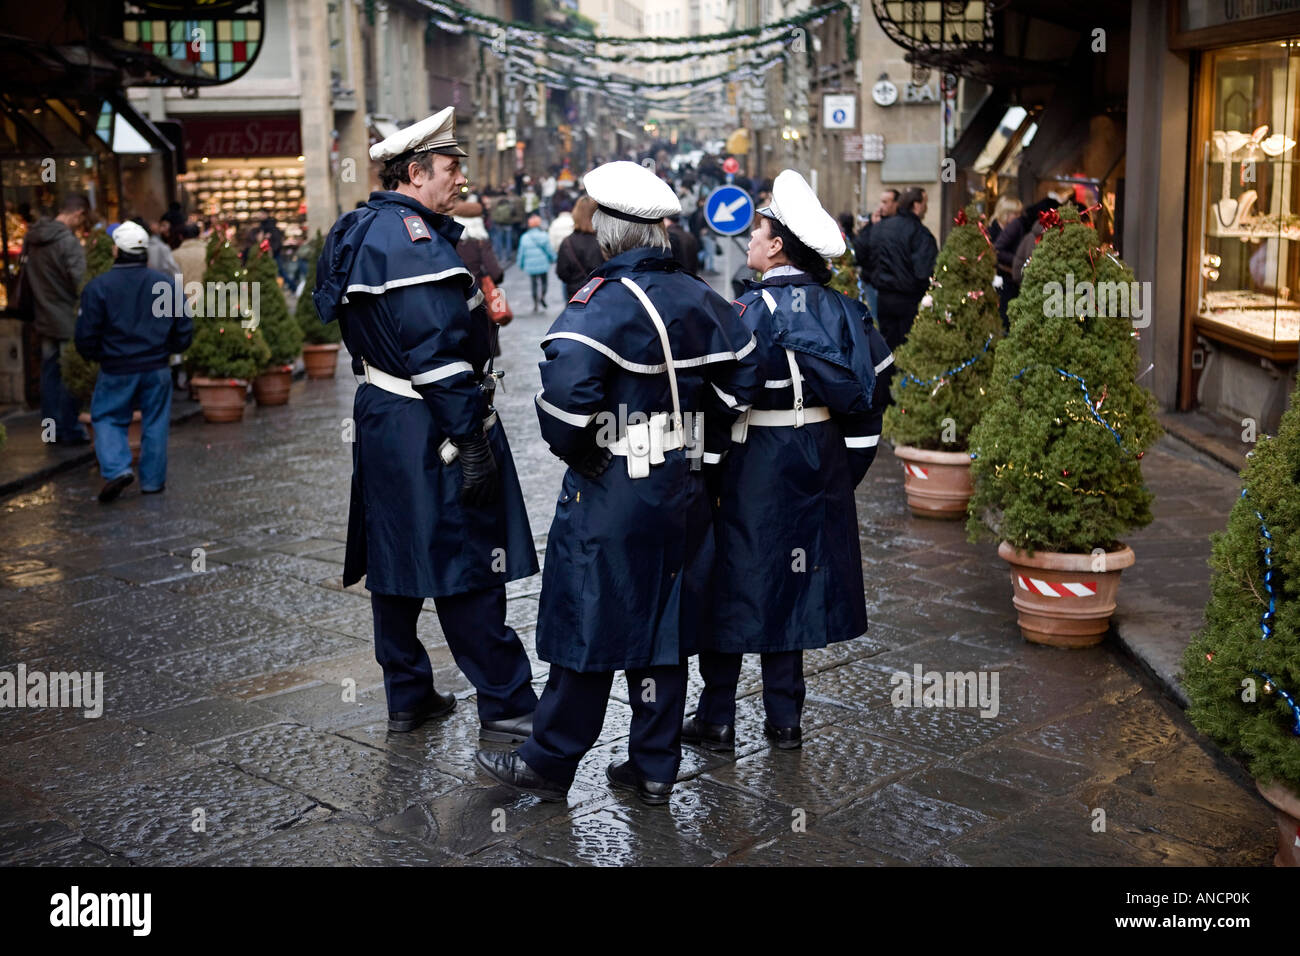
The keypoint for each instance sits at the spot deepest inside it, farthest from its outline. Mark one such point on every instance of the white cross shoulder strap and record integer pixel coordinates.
(645, 443)
(795, 417)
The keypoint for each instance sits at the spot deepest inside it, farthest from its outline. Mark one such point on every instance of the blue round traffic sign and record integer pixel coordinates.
(728, 210)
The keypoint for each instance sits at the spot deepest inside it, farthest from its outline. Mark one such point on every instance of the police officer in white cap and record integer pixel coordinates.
(119, 326)
(645, 371)
(436, 508)
(789, 572)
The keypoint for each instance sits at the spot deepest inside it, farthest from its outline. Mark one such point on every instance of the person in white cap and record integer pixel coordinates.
(436, 509)
(132, 320)
(640, 353)
(785, 512)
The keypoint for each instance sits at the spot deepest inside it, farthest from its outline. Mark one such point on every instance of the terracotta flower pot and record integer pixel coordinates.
(937, 483)
(320, 360)
(272, 386)
(134, 432)
(222, 398)
(1065, 600)
(1286, 808)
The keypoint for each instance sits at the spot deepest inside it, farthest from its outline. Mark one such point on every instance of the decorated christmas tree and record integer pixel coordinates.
(844, 274)
(946, 364)
(1242, 672)
(1056, 454)
(279, 329)
(313, 331)
(79, 374)
(223, 347)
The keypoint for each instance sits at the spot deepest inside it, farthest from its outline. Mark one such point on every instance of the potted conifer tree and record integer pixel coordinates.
(1242, 671)
(1056, 455)
(320, 354)
(279, 329)
(225, 353)
(944, 369)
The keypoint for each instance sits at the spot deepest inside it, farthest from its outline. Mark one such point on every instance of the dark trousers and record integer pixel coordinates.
(57, 402)
(894, 319)
(783, 687)
(569, 717)
(487, 652)
(539, 280)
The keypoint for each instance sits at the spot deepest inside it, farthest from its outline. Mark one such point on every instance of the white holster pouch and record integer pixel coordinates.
(645, 443)
(449, 452)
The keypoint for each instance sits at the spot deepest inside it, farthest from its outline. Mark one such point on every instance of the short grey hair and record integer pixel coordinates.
(616, 235)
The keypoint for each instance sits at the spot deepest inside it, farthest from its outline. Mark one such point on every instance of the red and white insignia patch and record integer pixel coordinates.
(584, 294)
(416, 227)
(743, 306)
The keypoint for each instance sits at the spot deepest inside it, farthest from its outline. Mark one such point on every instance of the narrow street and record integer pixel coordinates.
(229, 650)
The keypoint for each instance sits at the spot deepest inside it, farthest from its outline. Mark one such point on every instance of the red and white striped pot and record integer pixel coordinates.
(937, 483)
(1065, 600)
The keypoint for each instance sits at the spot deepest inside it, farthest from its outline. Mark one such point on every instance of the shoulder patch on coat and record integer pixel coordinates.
(416, 227)
(584, 294)
(743, 306)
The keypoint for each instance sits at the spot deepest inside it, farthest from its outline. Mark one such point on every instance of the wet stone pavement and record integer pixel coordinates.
(226, 737)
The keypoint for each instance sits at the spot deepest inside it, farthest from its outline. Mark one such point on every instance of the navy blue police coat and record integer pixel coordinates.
(789, 570)
(628, 560)
(407, 305)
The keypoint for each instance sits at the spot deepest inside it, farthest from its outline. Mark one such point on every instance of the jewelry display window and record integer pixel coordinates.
(1248, 267)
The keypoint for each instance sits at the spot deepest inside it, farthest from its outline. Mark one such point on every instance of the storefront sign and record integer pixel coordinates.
(839, 111)
(1201, 14)
(242, 136)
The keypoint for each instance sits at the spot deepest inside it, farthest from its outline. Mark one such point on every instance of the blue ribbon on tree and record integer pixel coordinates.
(1083, 387)
(1265, 620)
(909, 380)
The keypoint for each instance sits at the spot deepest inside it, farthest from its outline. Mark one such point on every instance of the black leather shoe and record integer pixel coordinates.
(113, 488)
(439, 705)
(513, 731)
(623, 776)
(718, 737)
(508, 768)
(786, 738)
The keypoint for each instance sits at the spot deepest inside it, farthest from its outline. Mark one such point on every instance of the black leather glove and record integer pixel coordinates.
(478, 467)
(592, 464)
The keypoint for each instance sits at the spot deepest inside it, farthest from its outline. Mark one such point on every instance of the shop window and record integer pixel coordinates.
(1247, 266)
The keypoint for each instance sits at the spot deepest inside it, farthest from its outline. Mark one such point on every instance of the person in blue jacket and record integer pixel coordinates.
(645, 371)
(436, 508)
(535, 258)
(789, 572)
(132, 320)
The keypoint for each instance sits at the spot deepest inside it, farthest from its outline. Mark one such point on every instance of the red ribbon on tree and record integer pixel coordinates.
(1051, 219)
(960, 218)
(265, 245)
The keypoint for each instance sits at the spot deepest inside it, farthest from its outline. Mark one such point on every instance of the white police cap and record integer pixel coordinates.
(629, 191)
(795, 206)
(435, 134)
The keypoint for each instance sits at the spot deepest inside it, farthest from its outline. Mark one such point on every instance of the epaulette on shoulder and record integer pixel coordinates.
(583, 295)
(416, 227)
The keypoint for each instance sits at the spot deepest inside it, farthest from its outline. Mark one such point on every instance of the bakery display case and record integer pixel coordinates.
(1247, 262)
(240, 192)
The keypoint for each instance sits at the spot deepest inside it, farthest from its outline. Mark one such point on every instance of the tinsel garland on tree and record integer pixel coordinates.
(1242, 671)
(1056, 455)
(944, 368)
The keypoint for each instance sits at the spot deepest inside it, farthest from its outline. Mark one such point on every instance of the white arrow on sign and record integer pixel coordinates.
(724, 212)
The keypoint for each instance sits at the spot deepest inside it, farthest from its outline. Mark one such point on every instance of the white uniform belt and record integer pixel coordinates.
(778, 418)
(389, 383)
(641, 442)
